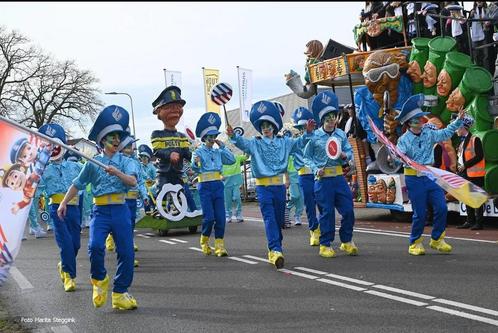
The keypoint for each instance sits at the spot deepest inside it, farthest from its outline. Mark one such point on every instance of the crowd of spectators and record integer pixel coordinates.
(472, 29)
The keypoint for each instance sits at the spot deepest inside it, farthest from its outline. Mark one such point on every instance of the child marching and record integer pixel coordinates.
(208, 162)
(111, 215)
(331, 189)
(269, 159)
(57, 179)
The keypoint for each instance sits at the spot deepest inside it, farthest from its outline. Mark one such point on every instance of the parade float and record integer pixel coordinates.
(381, 81)
(171, 199)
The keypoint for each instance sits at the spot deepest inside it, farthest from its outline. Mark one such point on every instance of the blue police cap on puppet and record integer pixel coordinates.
(266, 111)
(145, 150)
(112, 119)
(300, 116)
(208, 124)
(171, 94)
(57, 132)
(323, 103)
(16, 149)
(411, 109)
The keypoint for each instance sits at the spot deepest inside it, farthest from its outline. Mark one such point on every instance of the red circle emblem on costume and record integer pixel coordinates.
(333, 148)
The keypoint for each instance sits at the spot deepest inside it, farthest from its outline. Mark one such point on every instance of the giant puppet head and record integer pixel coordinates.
(381, 72)
(169, 107)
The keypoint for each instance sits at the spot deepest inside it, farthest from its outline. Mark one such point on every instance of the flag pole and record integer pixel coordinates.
(165, 79)
(53, 141)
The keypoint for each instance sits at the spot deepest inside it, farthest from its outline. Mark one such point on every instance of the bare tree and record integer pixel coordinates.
(35, 89)
(60, 93)
(18, 62)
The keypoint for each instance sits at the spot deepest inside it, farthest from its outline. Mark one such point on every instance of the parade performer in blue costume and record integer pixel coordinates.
(148, 172)
(57, 179)
(208, 162)
(300, 117)
(111, 214)
(269, 159)
(128, 147)
(331, 189)
(417, 143)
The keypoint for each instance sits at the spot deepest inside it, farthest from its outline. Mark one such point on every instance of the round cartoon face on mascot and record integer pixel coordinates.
(381, 74)
(430, 75)
(443, 83)
(170, 114)
(414, 71)
(455, 101)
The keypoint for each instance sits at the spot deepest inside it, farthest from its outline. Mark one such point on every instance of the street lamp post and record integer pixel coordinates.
(132, 113)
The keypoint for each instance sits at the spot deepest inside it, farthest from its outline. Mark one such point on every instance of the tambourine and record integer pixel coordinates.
(239, 131)
(333, 148)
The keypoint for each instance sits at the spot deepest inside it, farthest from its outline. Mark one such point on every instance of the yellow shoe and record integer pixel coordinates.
(135, 263)
(276, 258)
(416, 248)
(69, 284)
(135, 247)
(109, 243)
(315, 237)
(205, 245)
(219, 247)
(100, 291)
(440, 244)
(350, 248)
(123, 301)
(326, 251)
(61, 273)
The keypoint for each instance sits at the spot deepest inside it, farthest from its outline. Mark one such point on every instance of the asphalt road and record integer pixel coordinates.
(178, 289)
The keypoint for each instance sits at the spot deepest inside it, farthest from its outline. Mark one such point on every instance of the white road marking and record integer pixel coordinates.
(256, 258)
(178, 240)
(20, 279)
(345, 278)
(404, 292)
(466, 306)
(303, 275)
(243, 260)
(150, 234)
(167, 242)
(340, 284)
(390, 232)
(195, 249)
(309, 270)
(464, 315)
(407, 234)
(396, 298)
(143, 236)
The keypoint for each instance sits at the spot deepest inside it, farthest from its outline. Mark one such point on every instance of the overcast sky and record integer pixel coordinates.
(127, 45)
